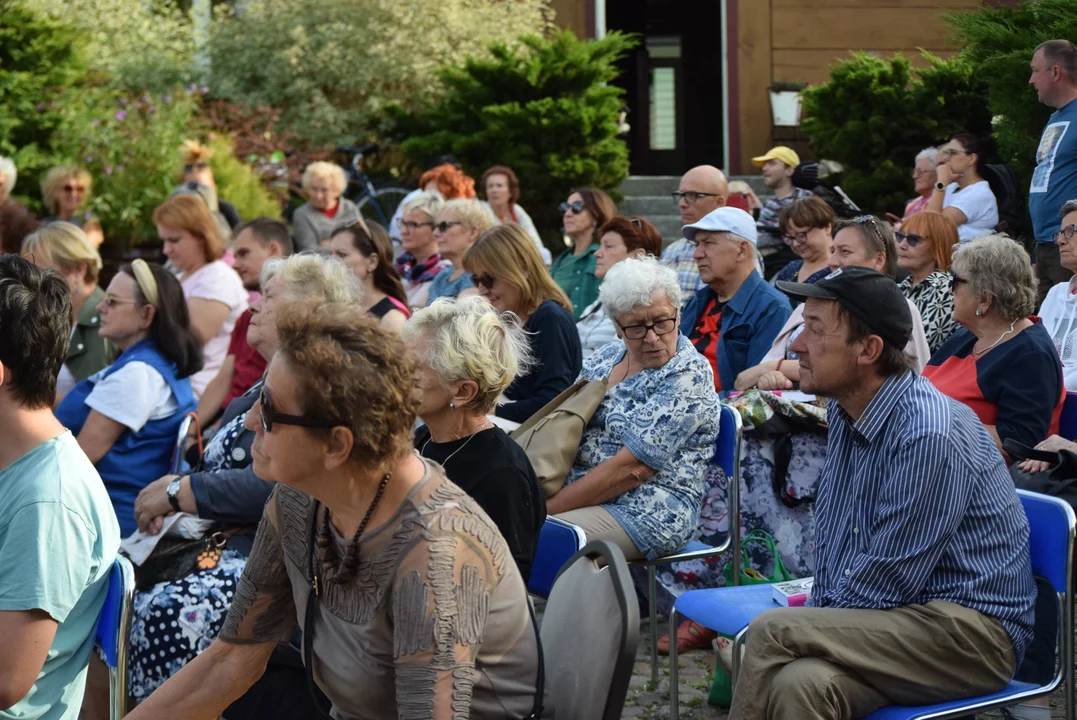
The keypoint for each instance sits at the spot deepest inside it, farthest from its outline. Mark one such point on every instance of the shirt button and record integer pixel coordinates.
(856, 531)
(848, 572)
(80, 346)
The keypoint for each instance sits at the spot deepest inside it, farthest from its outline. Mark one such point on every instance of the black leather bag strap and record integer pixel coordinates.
(308, 622)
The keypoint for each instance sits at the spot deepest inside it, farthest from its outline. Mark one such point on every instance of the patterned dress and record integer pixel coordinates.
(932, 297)
(667, 417)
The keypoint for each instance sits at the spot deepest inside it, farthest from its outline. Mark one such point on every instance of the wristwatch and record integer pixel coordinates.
(173, 494)
(940, 187)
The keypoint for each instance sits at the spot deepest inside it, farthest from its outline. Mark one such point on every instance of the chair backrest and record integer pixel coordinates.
(558, 542)
(114, 623)
(181, 443)
(1051, 523)
(1067, 421)
(727, 445)
(590, 629)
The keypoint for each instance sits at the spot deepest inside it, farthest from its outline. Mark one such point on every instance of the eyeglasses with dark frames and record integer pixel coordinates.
(444, 225)
(690, 196)
(413, 226)
(576, 207)
(791, 240)
(638, 332)
(486, 280)
(271, 417)
(1067, 233)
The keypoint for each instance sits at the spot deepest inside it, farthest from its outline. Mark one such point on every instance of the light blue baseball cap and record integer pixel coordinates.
(724, 219)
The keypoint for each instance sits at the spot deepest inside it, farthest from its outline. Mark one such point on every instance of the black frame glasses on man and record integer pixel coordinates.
(271, 416)
(690, 196)
(661, 327)
(1067, 232)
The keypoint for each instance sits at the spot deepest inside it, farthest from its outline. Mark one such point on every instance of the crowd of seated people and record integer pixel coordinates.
(354, 395)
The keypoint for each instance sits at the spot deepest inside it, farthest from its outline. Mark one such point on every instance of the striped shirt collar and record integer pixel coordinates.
(877, 413)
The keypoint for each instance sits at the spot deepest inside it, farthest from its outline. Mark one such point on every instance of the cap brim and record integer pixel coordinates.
(761, 160)
(805, 290)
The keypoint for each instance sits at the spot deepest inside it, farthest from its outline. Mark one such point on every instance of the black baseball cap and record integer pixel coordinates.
(869, 295)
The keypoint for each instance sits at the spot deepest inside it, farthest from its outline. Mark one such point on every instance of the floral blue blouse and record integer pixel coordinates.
(668, 419)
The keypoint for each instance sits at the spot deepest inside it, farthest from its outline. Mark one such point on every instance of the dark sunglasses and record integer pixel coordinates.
(191, 167)
(74, 189)
(638, 332)
(955, 281)
(271, 416)
(486, 280)
(576, 207)
(1067, 232)
(444, 225)
(911, 238)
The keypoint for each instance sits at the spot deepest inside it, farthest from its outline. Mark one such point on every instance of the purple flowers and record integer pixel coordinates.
(89, 159)
(167, 98)
(205, 89)
(121, 115)
(108, 169)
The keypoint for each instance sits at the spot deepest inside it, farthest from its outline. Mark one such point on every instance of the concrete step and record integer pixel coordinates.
(649, 185)
(647, 205)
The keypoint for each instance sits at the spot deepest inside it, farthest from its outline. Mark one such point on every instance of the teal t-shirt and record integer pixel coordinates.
(58, 538)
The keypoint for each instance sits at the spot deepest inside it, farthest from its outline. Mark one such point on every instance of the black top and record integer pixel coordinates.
(228, 210)
(381, 308)
(555, 343)
(491, 468)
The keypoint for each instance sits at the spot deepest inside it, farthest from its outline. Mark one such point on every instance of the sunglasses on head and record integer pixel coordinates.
(444, 225)
(575, 207)
(486, 280)
(911, 238)
(191, 167)
(271, 416)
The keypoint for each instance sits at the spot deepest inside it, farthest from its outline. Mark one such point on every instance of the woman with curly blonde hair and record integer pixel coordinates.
(326, 208)
(65, 191)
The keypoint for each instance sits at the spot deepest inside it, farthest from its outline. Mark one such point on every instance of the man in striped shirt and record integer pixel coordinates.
(923, 588)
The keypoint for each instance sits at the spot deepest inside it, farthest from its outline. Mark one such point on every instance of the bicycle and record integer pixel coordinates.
(377, 204)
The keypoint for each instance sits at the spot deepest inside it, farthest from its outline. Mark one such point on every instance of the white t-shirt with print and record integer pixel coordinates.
(133, 395)
(979, 205)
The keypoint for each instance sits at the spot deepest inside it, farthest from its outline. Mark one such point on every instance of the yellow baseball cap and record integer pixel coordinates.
(781, 152)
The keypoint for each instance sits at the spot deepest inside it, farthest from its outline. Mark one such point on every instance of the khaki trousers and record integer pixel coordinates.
(598, 524)
(845, 663)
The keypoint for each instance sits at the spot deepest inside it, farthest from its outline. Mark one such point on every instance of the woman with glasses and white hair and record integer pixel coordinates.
(923, 181)
(1003, 364)
(637, 480)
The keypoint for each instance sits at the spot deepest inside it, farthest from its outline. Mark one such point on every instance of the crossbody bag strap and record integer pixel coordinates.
(540, 681)
(308, 622)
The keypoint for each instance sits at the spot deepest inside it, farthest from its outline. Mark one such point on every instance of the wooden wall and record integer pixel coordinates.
(794, 40)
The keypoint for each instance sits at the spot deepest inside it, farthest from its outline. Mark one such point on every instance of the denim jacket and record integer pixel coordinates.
(751, 320)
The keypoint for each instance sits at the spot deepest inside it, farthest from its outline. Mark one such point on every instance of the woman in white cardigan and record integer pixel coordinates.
(501, 188)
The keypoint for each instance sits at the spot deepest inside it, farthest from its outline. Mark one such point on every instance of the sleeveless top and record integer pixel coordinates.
(388, 303)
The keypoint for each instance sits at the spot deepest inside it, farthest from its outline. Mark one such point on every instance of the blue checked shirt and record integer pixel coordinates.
(678, 257)
(915, 504)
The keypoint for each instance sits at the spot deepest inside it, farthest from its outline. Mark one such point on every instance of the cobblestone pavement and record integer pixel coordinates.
(696, 668)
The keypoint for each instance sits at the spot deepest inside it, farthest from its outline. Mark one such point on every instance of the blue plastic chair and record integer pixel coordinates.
(113, 630)
(1051, 543)
(558, 542)
(1067, 422)
(726, 456)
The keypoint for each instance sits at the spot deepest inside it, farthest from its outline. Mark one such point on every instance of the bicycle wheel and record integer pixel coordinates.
(382, 205)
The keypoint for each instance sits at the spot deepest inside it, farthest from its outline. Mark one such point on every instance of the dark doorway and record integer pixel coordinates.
(672, 82)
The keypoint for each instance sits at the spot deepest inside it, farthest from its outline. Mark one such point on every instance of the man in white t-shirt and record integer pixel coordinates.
(58, 532)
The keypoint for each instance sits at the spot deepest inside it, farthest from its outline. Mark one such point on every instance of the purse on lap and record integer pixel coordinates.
(551, 437)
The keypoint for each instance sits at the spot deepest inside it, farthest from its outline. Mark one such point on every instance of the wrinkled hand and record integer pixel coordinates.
(775, 380)
(1056, 443)
(152, 506)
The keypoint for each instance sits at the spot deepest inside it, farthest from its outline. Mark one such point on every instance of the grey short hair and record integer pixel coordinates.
(467, 339)
(927, 154)
(1062, 53)
(997, 266)
(7, 169)
(1069, 207)
(317, 278)
(426, 202)
(633, 282)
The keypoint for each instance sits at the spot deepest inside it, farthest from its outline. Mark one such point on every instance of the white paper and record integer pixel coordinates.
(139, 545)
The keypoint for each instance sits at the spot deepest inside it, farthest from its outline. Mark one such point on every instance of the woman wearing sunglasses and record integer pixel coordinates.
(637, 479)
(66, 194)
(805, 225)
(404, 589)
(63, 247)
(126, 416)
(1059, 309)
(508, 271)
(585, 211)
(457, 226)
(196, 168)
(1002, 363)
(165, 635)
(924, 245)
(366, 249)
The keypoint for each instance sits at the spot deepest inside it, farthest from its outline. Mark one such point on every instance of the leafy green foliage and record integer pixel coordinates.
(39, 57)
(238, 183)
(547, 109)
(875, 115)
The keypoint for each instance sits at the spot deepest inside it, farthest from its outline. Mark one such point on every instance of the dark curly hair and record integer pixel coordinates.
(350, 372)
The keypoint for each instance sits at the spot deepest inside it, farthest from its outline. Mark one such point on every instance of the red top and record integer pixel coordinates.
(705, 336)
(250, 365)
(331, 212)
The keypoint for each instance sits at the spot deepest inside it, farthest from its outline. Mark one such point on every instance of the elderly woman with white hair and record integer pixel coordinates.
(468, 354)
(314, 220)
(923, 181)
(637, 479)
(1003, 364)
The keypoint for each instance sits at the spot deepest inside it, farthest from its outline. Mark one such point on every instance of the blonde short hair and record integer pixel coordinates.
(66, 246)
(314, 277)
(997, 266)
(429, 203)
(54, 180)
(473, 213)
(326, 170)
(467, 339)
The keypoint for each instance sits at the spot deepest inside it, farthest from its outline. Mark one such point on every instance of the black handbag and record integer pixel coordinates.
(176, 558)
(1060, 480)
